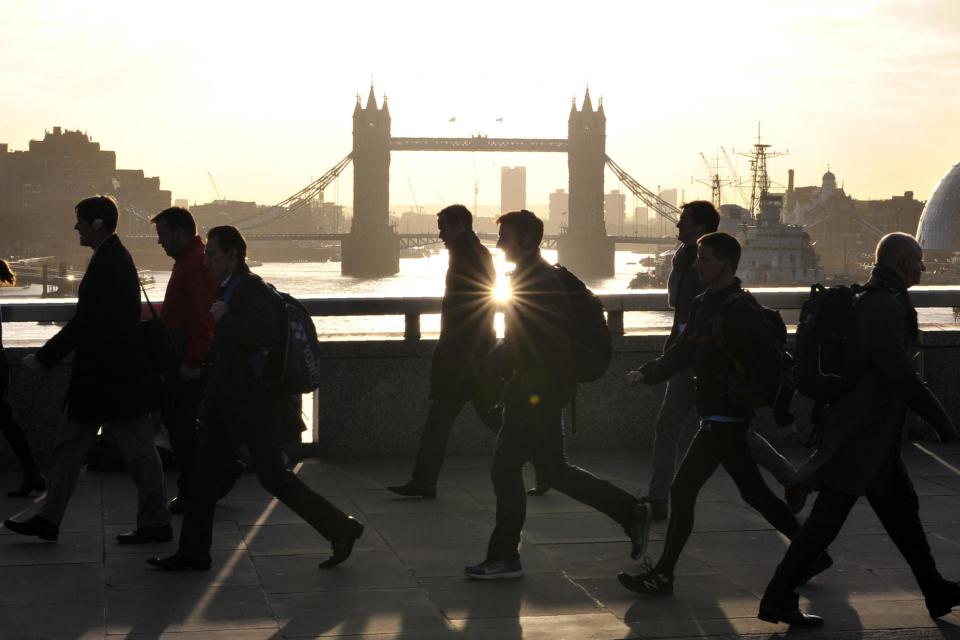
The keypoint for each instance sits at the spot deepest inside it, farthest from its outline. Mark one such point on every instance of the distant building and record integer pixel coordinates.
(513, 188)
(183, 203)
(844, 231)
(557, 210)
(614, 211)
(939, 229)
(39, 188)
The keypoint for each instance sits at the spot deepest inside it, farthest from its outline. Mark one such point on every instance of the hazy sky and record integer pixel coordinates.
(261, 94)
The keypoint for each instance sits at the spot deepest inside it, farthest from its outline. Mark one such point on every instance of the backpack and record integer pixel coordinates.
(825, 333)
(755, 389)
(293, 367)
(589, 335)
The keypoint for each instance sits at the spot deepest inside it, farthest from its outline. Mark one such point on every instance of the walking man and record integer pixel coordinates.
(676, 422)
(190, 292)
(238, 408)
(538, 355)
(466, 336)
(110, 383)
(724, 336)
(862, 434)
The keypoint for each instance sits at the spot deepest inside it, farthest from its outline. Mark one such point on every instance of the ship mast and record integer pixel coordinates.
(758, 168)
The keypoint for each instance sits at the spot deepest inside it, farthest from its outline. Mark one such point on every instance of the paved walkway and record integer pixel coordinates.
(404, 579)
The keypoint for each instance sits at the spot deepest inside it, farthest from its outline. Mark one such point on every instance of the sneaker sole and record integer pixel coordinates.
(496, 576)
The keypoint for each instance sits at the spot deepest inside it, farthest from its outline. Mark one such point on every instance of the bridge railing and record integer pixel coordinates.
(412, 308)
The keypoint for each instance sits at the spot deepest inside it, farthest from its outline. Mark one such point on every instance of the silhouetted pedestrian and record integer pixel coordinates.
(733, 356)
(860, 453)
(110, 383)
(238, 408)
(190, 292)
(676, 421)
(538, 355)
(32, 479)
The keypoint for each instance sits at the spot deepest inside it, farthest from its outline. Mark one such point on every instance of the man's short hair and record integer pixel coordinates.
(894, 246)
(457, 214)
(177, 218)
(703, 213)
(99, 207)
(527, 226)
(229, 238)
(723, 245)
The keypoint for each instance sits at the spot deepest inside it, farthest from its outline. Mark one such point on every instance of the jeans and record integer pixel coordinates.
(532, 423)
(899, 513)
(717, 444)
(674, 428)
(135, 440)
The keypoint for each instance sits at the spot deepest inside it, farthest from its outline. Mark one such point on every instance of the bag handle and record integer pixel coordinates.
(153, 310)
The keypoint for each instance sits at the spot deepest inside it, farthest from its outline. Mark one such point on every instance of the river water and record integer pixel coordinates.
(417, 277)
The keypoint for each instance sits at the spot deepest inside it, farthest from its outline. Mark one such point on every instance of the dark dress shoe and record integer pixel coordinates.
(343, 543)
(146, 535)
(944, 600)
(414, 489)
(177, 505)
(180, 562)
(32, 481)
(789, 615)
(539, 489)
(35, 526)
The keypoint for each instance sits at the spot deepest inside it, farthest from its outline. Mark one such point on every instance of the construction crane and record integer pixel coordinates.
(715, 183)
(214, 183)
(416, 207)
(736, 179)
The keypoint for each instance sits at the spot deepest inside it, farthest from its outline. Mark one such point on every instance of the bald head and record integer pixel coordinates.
(902, 253)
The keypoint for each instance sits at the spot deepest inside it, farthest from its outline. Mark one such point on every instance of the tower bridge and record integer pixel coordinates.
(372, 248)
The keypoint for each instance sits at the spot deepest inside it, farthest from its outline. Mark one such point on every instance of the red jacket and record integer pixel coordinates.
(186, 305)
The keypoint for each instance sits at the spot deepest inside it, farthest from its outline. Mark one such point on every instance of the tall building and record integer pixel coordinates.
(513, 188)
(40, 186)
(614, 210)
(558, 208)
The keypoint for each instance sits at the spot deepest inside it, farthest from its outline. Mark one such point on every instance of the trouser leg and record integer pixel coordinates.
(697, 467)
(675, 422)
(551, 463)
(70, 447)
(214, 454)
(279, 481)
(515, 446)
(899, 513)
(770, 459)
(181, 404)
(15, 435)
(737, 460)
(829, 512)
(433, 440)
(135, 440)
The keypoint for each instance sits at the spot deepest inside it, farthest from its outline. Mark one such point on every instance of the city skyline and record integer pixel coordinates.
(245, 97)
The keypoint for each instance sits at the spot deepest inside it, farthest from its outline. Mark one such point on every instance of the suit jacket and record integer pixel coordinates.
(466, 318)
(111, 378)
(863, 430)
(236, 402)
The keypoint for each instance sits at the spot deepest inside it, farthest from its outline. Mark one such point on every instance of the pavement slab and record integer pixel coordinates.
(405, 576)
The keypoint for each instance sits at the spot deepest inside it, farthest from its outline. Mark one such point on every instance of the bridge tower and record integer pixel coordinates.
(585, 247)
(372, 249)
